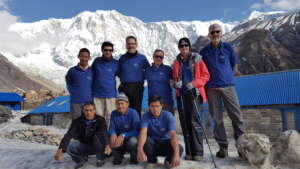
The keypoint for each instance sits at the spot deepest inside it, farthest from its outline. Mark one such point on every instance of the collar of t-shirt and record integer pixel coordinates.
(106, 59)
(131, 54)
(83, 68)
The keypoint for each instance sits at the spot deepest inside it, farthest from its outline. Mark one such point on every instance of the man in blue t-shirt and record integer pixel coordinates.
(158, 135)
(123, 130)
(105, 69)
(221, 61)
(132, 66)
(79, 83)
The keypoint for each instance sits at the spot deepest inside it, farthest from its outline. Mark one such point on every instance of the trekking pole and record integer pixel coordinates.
(203, 129)
(187, 135)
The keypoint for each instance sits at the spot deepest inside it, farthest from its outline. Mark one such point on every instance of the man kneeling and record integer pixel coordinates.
(158, 135)
(90, 132)
(124, 129)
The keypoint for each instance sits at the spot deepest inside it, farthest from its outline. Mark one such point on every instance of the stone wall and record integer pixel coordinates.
(36, 119)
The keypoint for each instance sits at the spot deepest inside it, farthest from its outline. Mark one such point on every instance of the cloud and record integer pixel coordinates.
(286, 5)
(3, 4)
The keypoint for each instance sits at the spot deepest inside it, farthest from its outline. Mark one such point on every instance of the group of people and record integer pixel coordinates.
(196, 78)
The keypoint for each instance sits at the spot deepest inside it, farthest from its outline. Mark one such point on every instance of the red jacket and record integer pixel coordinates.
(201, 74)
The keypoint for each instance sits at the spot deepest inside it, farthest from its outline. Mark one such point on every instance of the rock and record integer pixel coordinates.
(38, 132)
(28, 134)
(256, 149)
(31, 95)
(286, 151)
(5, 114)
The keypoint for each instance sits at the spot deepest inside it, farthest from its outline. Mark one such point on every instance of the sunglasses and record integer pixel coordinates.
(159, 57)
(184, 45)
(108, 50)
(213, 32)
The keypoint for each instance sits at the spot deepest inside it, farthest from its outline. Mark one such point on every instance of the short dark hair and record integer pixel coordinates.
(88, 104)
(184, 39)
(107, 43)
(158, 50)
(83, 50)
(131, 37)
(154, 98)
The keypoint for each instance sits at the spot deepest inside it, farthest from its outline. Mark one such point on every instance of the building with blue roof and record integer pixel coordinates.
(54, 112)
(11, 100)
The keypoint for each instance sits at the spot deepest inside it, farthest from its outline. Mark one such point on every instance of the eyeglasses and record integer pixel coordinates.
(213, 32)
(159, 57)
(108, 50)
(184, 45)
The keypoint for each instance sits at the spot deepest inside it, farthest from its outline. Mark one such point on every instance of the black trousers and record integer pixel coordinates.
(154, 148)
(190, 122)
(134, 92)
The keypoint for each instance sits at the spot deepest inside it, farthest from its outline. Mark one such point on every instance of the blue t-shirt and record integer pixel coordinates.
(104, 80)
(79, 84)
(132, 68)
(127, 124)
(159, 82)
(159, 127)
(220, 62)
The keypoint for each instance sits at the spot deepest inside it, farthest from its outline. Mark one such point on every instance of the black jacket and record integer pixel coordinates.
(85, 134)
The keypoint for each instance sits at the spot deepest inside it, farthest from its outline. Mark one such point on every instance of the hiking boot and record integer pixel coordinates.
(198, 158)
(188, 157)
(79, 164)
(222, 153)
(100, 163)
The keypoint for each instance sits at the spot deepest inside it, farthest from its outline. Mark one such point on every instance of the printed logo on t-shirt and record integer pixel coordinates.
(127, 126)
(89, 77)
(136, 65)
(109, 69)
(163, 129)
(161, 73)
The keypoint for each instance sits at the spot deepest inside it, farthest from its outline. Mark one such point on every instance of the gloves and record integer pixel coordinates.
(189, 86)
(178, 84)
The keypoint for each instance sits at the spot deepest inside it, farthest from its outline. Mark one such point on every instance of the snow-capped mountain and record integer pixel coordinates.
(271, 21)
(53, 44)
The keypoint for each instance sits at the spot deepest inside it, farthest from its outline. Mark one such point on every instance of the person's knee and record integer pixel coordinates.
(73, 148)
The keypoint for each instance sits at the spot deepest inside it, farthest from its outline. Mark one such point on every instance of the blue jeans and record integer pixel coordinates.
(129, 145)
(80, 151)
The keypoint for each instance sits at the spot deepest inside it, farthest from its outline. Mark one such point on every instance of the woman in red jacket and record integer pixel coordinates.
(190, 76)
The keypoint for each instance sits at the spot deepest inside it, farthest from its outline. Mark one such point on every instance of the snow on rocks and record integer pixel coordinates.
(5, 114)
(35, 134)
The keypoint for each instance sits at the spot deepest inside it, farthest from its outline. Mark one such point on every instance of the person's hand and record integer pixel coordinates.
(178, 84)
(237, 73)
(120, 140)
(58, 154)
(189, 86)
(113, 139)
(141, 156)
(175, 161)
(107, 150)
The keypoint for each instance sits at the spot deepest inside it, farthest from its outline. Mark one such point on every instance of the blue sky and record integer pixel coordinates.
(146, 10)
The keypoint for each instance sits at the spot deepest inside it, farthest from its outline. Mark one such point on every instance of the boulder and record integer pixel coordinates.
(256, 149)
(286, 151)
(5, 114)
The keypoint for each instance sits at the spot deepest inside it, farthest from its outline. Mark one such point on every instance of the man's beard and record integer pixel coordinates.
(216, 40)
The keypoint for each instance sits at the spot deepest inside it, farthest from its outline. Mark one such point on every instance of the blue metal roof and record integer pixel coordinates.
(10, 97)
(60, 104)
(269, 88)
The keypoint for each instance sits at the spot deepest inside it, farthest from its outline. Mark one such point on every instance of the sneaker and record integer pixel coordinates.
(198, 158)
(100, 163)
(79, 164)
(117, 161)
(222, 153)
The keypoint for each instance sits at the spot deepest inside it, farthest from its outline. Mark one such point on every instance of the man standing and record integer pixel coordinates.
(90, 132)
(124, 129)
(158, 135)
(132, 66)
(105, 70)
(221, 61)
(79, 83)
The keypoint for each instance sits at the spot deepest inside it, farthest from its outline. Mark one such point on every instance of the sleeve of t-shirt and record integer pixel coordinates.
(146, 63)
(145, 121)
(171, 122)
(233, 57)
